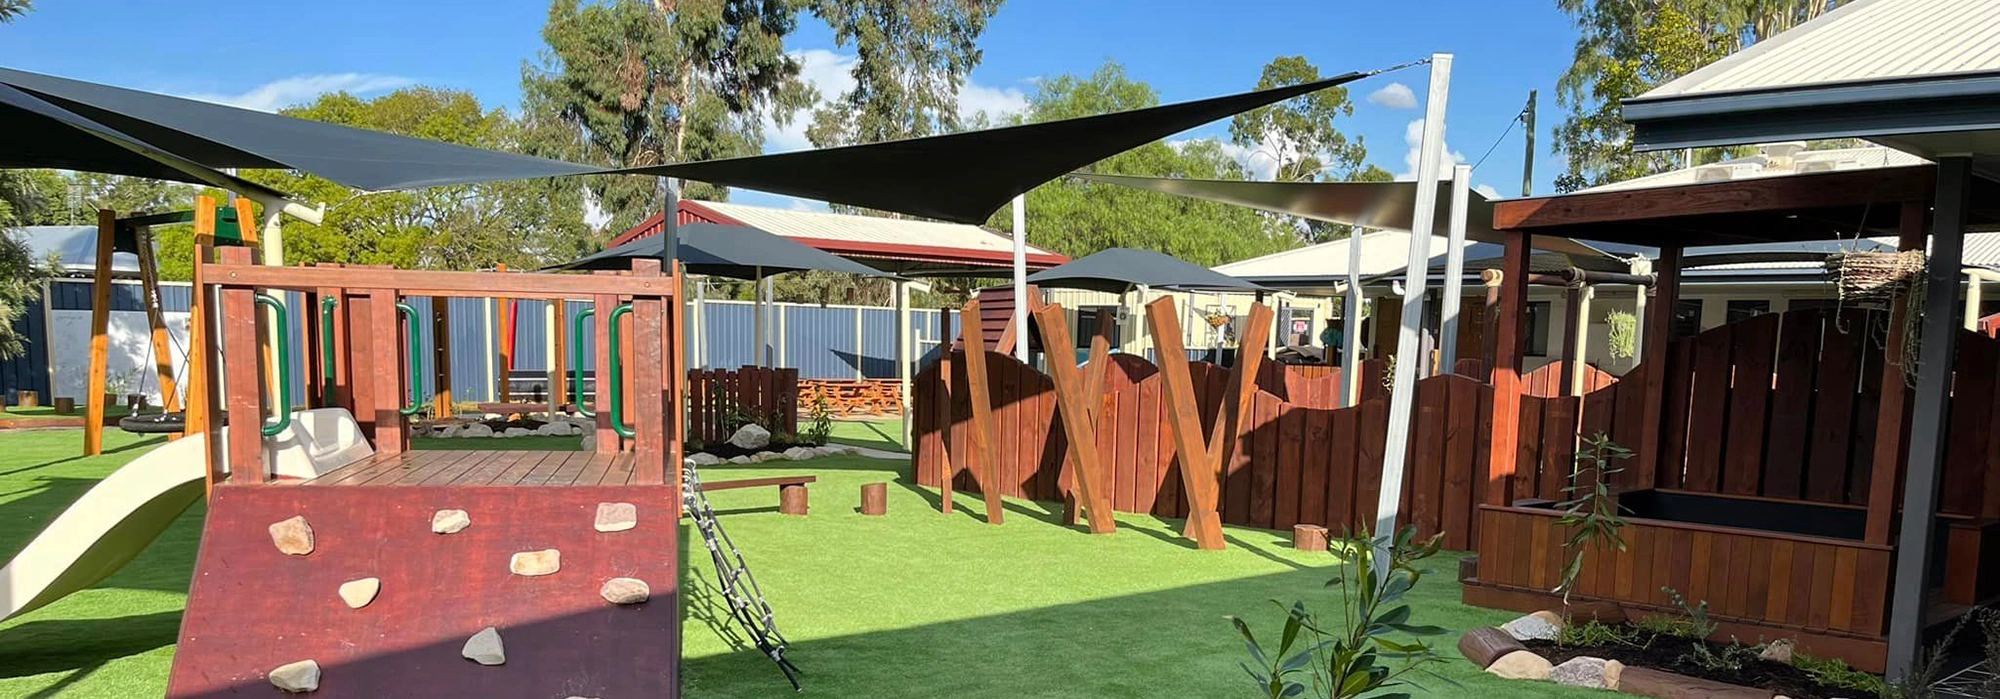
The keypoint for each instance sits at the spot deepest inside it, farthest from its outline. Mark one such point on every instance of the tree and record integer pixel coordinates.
(1301, 138)
(22, 195)
(11, 9)
(1627, 47)
(912, 59)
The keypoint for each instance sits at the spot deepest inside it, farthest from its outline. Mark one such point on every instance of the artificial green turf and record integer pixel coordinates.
(48, 412)
(915, 604)
(885, 434)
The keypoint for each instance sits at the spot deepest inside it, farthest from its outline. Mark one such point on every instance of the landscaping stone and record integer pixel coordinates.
(358, 593)
(763, 456)
(1579, 672)
(552, 429)
(1486, 644)
(475, 430)
(750, 437)
(1614, 674)
(517, 432)
(450, 521)
(299, 677)
(535, 563)
(293, 536)
(616, 516)
(740, 460)
(1553, 618)
(1779, 651)
(1647, 682)
(589, 441)
(625, 591)
(800, 453)
(1520, 665)
(704, 459)
(1531, 628)
(826, 451)
(448, 431)
(485, 647)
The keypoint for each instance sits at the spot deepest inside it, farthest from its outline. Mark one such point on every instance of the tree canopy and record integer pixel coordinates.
(912, 59)
(1302, 140)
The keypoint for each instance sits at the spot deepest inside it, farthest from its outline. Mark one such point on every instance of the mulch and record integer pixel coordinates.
(1668, 653)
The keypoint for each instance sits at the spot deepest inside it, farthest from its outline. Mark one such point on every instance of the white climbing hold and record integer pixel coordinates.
(299, 677)
(534, 563)
(485, 648)
(358, 593)
(616, 516)
(450, 521)
(625, 591)
(293, 536)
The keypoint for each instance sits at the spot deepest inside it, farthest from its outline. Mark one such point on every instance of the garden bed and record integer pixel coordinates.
(1643, 648)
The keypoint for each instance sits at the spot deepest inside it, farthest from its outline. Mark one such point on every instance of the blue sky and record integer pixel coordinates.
(270, 54)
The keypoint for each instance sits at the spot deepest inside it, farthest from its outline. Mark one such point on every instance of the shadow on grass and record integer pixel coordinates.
(147, 443)
(886, 436)
(79, 645)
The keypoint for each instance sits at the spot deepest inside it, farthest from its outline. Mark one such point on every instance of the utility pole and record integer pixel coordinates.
(1528, 158)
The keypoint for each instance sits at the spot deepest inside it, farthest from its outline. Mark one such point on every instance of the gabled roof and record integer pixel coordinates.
(73, 247)
(1774, 160)
(1323, 267)
(902, 246)
(1860, 41)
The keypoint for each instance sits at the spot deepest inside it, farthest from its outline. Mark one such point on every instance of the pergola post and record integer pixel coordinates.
(1509, 340)
(1576, 300)
(100, 341)
(1659, 337)
(1892, 428)
(1930, 407)
(1350, 321)
(905, 356)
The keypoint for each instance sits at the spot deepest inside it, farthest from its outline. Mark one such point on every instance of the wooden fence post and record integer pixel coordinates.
(985, 464)
(1075, 397)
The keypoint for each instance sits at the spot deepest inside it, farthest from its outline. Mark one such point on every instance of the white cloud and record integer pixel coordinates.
(299, 89)
(1413, 136)
(1487, 190)
(833, 74)
(1394, 96)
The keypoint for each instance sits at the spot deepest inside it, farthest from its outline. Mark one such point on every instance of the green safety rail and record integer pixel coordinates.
(280, 333)
(617, 377)
(327, 360)
(416, 405)
(576, 361)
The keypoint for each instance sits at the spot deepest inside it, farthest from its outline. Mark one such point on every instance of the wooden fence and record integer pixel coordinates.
(720, 400)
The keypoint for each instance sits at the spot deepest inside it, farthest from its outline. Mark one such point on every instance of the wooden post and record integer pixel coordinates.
(1510, 341)
(792, 500)
(243, 380)
(1656, 359)
(163, 353)
(441, 397)
(558, 354)
(1487, 315)
(1308, 537)
(357, 314)
(1892, 426)
(985, 463)
(650, 396)
(1076, 398)
(607, 438)
(875, 499)
(203, 398)
(100, 341)
(1575, 306)
(1093, 384)
(947, 471)
(1198, 478)
(504, 393)
(391, 432)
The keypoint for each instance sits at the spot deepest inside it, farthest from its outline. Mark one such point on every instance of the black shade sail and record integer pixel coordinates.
(40, 116)
(965, 177)
(1118, 270)
(736, 252)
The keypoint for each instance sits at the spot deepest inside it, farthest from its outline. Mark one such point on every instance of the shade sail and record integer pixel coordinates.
(965, 177)
(39, 134)
(1117, 270)
(1371, 205)
(217, 136)
(737, 252)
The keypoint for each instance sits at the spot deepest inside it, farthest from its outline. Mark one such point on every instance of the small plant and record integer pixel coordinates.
(121, 382)
(1591, 513)
(821, 427)
(1834, 673)
(1695, 623)
(1594, 633)
(1731, 658)
(694, 444)
(1347, 661)
(1623, 334)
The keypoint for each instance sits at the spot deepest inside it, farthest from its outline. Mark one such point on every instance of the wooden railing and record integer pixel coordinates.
(720, 401)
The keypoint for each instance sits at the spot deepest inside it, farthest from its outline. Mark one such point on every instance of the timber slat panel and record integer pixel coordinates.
(1262, 472)
(1786, 443)
(1315, 458)
(1709, 417)
(1972, 389)
(1461, 430)
(1424, 486)
(1290, 465)
(1833, 426)
(1751, 354)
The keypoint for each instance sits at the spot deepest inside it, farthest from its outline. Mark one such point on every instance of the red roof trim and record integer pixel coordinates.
(894, 251)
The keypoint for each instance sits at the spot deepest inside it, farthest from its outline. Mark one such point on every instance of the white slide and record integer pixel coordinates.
(121, 515)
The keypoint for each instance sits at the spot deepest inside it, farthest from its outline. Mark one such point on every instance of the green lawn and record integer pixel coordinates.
(48, 412)
(885, 434)
(900, 606)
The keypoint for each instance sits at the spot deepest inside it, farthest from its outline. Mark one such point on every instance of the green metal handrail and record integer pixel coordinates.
(576, 361)
(416, 405)
(279, 334)
(617, 377)
(326, 306)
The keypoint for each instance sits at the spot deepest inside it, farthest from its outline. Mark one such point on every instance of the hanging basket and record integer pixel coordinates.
(1875, 277)
(1217, 320)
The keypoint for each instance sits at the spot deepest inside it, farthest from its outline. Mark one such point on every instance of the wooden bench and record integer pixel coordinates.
(791, 490)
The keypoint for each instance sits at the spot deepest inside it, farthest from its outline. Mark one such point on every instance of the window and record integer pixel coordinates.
(1538, 328)
(1086, 325)
(1744, 309)
(1687, 317)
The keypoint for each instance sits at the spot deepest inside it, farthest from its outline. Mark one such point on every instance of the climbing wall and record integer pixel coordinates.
(253, 608)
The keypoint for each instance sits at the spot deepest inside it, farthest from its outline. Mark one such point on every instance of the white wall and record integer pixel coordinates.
(131, 352)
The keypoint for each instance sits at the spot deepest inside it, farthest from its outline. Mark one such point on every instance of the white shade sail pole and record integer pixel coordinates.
(1454, 270)
(1402, 398)
(905, 354)
(1350, 320)
(757, 288)
(1021, 277)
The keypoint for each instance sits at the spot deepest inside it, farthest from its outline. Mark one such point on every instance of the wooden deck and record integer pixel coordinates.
(484, 468)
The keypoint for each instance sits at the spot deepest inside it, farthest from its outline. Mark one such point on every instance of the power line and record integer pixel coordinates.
(1496, 142)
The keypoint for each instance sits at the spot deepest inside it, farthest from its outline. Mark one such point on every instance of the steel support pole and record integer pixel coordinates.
(1930, 413)
(1021, 277)
(1454, 271)
(904, 355)
(1402, 399)
(1350, 321)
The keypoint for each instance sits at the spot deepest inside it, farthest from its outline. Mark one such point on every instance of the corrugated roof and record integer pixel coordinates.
(75, 247)
(1864, 40)
(867, 229)
(1776, 160)
(1381, 252)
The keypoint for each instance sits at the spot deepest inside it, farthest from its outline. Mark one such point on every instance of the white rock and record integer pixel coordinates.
(589, 442)
(449, 431)
(704, 459)
(1553, 618)
(300, 677)
(1531, 628)
(849, 451)
(550, 429)
(535, 563)
(450, 521)
(293, 536)
(1580, 672)
(616, 516)
(625, 591)
(826, 451)
(740, 460)
(475, 430)
(1521, 665)
(750, 436)
(358, 593)
(517, 432)
(485, 648)
(1614, 672)
(1779, 651)
(800, 453)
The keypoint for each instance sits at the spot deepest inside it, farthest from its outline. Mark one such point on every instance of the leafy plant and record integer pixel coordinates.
(1731, 658)
(1695, 623)
(822, 422)
(1834, 673)
(1595, 633)
(1347, 660)
(1623, 336)
(1591, 513)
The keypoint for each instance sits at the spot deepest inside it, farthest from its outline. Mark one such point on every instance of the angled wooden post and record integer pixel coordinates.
(100, 341)
(1659, 341)
(1075, 395)
(984, 462)
(1198, 478)
(947, 471)
(156, 318)
(1223, 436)
(1093, 386)
(1892, 428)
(204, 400)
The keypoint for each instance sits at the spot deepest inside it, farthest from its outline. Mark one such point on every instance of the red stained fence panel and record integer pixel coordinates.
(720, 399)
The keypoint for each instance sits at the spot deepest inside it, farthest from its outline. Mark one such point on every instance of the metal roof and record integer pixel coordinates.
(897, 245)
(1774, 160)
(1863, 40)
(74, 247)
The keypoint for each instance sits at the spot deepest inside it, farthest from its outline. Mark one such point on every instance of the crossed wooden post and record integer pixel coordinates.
(1201, 459)
(1077, 397)
(982, 461)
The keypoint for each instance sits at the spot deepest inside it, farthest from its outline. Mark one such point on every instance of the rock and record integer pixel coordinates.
(750, 437)
(358, 593)
(800, 453)
(450, 521)
(1779, 651)
(475, 430)
(1486, 644)
(300, 677)
(293, 536)
(1579, 672)
(616, 516)
(552, 429)
(848, 451)
(1553, 618)
(589, 441)
(763, 456)
(704, 459)
(1520, 665)
(1531, 628)
(826, 451)
(485, 647)
(1614, 672)
(517, 432)
(449, 431)
(625, 591)
(739, 460)
(534, 563)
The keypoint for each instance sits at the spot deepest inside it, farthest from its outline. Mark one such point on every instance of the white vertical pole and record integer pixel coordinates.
(1021, 277)
(1402, 400)
(859, 350)
(1350, 355)
(552, 317)
(1454, 270)
(904, 354)
(757, 319)
(1972, 302)
(700, 317)
(492, 308)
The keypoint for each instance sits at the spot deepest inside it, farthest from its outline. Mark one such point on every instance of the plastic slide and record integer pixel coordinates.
(117, 518)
